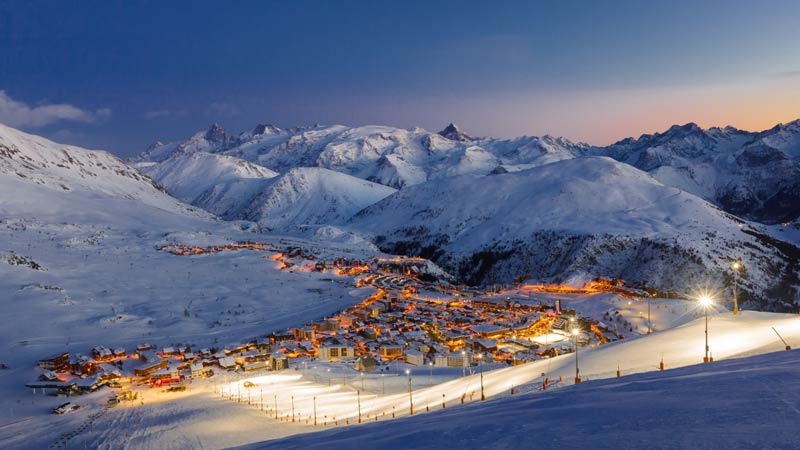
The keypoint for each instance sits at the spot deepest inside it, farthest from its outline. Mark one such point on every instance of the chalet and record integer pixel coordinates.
(263, 345)
(89, 384)
(415, 357)
(336, 352)
(227, 363)
(361, 314)
(49, 376)
(147, 370)
(119, 352)
(277, 338)
(147, 356)
(83, 365)
(251, 357)
(369, 333)
(143, 348)
(455, 359)
(489, 331)
(280, 362)
(199, 370)
(390, 352)
(329, 325)
(102, 354)
(257, 365)
(164, 376)
(235, 350)
(304, 334)
(483, 345)
(58, 362)
(346, 320)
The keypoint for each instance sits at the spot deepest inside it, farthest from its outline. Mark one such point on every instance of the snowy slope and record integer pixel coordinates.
(738, 404)
(571, 221)
(312, 196)
(32, 163)
(221, 184)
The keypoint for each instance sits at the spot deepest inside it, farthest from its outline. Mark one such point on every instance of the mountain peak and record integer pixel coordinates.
(216, 134)
(689, 127)
(265, 128)
(454, 133)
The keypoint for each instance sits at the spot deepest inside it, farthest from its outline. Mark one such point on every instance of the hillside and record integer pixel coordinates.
(574, 220)
(753, 175)
(222, 185)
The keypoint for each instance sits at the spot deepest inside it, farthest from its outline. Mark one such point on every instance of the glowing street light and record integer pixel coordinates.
(576, 332)
(736, 266)
(706, 301)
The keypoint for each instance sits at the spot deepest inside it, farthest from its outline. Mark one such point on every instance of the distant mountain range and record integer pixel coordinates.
(487, 210)
(755, 176)
(664, 211)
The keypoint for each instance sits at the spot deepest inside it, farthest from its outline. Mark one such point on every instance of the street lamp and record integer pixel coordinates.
(410, 397)
(358, 393)
(706, 301)
(430, 374)
(576, 332)
(480, 365)
(736, 266)
(463, 363)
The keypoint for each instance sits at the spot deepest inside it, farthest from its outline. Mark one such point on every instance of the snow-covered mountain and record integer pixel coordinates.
(49, 177)
(221, 184)
(752, 175)
(311, 196)
(575, 220)
(391, 156)
(235, 189)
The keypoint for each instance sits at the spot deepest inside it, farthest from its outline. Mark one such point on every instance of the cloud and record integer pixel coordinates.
(18, 114)
(223, 109)
(165, 113)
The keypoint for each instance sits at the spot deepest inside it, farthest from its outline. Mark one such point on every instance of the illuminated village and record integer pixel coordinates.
(408, 317)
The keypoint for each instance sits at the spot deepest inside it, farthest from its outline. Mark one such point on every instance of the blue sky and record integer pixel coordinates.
(119, 75)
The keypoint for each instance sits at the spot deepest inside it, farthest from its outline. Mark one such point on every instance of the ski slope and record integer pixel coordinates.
(739, 404)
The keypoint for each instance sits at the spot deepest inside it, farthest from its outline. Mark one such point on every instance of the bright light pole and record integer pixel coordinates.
(575, 332)
(706, 301)
(480, 365)
(463, 365)
(410, 396)
(358, 393)
(736, 266)
(430, 374)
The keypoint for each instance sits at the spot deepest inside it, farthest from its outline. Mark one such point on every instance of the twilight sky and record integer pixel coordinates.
(119, 75)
